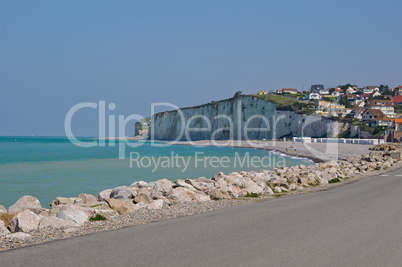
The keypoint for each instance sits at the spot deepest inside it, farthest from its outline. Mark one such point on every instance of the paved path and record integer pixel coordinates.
(359, 224)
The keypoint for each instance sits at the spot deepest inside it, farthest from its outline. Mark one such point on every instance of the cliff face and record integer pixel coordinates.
(229, 119)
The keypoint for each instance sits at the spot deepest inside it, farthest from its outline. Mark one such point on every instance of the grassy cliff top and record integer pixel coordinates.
(289, 103)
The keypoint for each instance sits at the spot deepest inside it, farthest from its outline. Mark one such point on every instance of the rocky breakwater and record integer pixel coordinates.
(27, 222)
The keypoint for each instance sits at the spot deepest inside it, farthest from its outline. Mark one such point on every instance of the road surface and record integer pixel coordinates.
(359, 224)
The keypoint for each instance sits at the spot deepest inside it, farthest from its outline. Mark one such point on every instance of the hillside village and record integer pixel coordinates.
(376, 110)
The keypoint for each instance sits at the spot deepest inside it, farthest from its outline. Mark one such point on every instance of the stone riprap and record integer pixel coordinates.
(143, 202)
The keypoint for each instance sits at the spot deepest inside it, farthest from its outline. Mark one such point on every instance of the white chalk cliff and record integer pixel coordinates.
(229, 119)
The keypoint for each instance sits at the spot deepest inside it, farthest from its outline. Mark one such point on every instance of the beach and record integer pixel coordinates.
(318, 152)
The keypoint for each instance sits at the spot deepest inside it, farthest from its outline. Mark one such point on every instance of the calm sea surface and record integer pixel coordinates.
(47, 167)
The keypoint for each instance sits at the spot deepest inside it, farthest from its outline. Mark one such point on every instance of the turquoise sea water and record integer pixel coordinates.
(47, 167)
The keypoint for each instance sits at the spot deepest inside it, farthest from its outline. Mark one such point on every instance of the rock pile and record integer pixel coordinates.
(386, 147)
(27, 214)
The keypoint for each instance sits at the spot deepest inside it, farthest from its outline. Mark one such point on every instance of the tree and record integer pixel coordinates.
(238, 93)
(387, 91)
(344, 101)
(383, 87)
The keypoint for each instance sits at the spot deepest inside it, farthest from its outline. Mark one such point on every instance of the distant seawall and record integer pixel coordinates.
(239, 118)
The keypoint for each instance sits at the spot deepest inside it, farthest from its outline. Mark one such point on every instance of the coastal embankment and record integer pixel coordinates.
(27, 222)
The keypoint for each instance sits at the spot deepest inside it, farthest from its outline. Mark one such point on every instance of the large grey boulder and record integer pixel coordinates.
(88, 199)
(155, 205)
(267, 190)
(156, 194)
(182, 183)
(216, 194)
(63, 200)
(26, 203)
(120, 206)
(3, 209)
(163, 188)
(55, 222)
(140, 205)
(146, 199)
(105, 194)
(200, 186)
(179, 195)
(76, 217)
(122, 193)
(74, 213)
(24, 221)
(253, 188)
(3, 229)
(89, 212)
(139, 184)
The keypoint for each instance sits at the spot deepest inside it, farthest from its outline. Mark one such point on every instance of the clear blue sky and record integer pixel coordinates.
(55, 54)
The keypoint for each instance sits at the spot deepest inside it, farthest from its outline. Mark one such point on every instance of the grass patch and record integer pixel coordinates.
(311, 184)
(377, 169)
(252, 195)
(283, 102)
(97, 205)
(97, 217)
(279, 195)
(335, 180)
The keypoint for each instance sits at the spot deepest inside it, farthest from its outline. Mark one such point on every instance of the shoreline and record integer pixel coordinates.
(289, 148)
(167, 200)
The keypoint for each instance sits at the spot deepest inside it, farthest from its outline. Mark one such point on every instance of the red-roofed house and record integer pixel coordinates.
(338, 91)
(397, 99)
(384, 105)
(365, 96)
(289, 90)
(376, 118)
(397, 124)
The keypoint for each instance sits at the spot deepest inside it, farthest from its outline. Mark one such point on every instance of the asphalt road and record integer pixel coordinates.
(359, 224)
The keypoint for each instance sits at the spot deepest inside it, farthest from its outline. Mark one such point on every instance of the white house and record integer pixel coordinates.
(376, 117)
(337, 92)
(313, 96)
(350, 90)
(370, 89)
(376, 93)
(324, 92)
